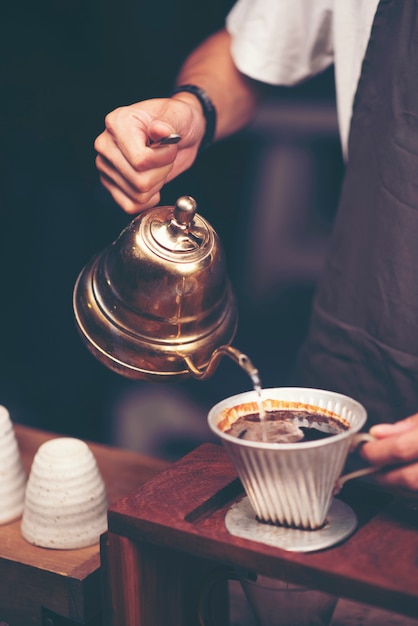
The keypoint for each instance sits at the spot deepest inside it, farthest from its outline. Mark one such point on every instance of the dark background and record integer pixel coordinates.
(64, 65)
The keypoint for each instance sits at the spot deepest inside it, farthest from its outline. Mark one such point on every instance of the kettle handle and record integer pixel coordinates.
(236, 355)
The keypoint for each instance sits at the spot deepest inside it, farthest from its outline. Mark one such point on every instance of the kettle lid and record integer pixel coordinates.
(179, 230)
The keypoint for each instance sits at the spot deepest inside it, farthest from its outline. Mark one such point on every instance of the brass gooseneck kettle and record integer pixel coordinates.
(157, 303)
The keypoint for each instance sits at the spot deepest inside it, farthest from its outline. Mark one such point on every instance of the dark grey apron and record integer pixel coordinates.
(363, 339)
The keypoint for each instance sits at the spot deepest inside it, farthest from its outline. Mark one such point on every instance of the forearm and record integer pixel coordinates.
(234, 95)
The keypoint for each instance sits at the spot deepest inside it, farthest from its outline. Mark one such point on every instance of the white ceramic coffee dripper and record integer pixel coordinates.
(66, 502)
(291, 484)
(12, 474)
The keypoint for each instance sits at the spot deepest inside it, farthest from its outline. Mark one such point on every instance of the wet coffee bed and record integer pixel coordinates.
(286, 426)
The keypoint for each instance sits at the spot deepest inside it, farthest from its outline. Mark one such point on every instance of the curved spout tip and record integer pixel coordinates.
(239, 357)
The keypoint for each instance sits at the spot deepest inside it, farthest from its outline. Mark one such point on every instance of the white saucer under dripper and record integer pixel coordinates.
(12, 473)
(340, 523)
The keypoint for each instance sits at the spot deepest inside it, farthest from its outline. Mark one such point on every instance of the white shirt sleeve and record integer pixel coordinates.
(281, 42)
(352, 25)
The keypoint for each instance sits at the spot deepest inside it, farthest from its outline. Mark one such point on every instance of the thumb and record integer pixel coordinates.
(380, 431)
(157, 130)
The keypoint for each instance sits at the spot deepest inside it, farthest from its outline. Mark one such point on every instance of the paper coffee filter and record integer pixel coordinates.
(12, 474)
(338, 406)
(230, 415)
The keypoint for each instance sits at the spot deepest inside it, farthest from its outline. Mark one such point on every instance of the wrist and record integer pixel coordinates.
(207, 107)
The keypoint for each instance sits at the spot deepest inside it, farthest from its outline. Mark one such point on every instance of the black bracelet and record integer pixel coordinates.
(208, 109)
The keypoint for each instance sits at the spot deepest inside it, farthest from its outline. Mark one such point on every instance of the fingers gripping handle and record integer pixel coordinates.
(358, 440)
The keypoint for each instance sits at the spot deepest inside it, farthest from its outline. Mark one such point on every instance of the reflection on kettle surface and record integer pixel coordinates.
(157, 304)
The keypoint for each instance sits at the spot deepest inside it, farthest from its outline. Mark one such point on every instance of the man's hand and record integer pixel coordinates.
(395, 448)
(133, 166)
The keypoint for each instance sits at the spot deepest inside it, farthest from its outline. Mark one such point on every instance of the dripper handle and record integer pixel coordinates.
(356, 442)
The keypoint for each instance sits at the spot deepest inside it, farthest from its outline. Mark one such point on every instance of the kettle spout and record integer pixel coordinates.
(238, 357)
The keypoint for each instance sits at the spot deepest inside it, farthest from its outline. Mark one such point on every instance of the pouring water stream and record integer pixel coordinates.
(253, 373)
(245, 363)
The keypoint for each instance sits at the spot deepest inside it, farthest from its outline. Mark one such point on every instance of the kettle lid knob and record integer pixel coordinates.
(185, 209)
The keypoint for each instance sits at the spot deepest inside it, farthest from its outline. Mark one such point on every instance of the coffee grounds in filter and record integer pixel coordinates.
(286, 426)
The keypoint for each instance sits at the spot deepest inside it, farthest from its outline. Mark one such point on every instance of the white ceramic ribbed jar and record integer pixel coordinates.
(65, 501)
(12, 474)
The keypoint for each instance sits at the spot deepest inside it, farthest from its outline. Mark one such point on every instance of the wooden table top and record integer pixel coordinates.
(67, 581)
(185, 507)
